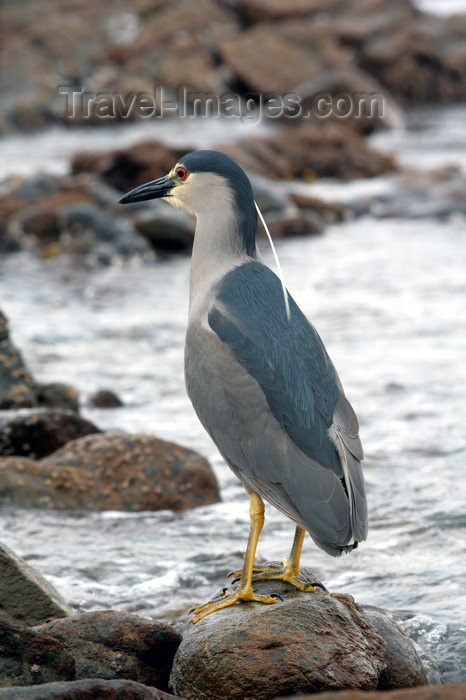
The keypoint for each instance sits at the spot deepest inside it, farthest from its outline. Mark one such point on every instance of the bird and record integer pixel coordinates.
(260, 379)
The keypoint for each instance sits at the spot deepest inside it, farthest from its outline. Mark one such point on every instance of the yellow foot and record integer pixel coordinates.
(264, 573)
(244, 596)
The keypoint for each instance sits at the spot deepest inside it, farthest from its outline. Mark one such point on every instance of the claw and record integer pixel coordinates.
(245, 595)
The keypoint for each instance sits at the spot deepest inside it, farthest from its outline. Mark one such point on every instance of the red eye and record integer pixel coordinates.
(181, 173)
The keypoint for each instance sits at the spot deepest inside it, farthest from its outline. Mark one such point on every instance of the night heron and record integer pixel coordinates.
(259, 377)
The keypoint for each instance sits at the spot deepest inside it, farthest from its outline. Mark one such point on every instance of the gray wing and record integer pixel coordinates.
(273, 396)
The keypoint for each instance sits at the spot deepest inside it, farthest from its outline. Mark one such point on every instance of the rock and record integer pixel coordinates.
(25, 596)
(166, 228)
(276, 58)
(331, 212)
(57, 395)
(309, 151)
(404, 668)
(36, 432)
(30, 658)
(4, 335)
(308, 642)
(264, 10)
(111, 472)
(88, 689)
(140, 472)
(40, 222)
(427, 692)
(194, 69)
(27, 483)
(105, 398)
(303, 224)
(117, 645)
(126, 168)
(16, 384)
(35, 187)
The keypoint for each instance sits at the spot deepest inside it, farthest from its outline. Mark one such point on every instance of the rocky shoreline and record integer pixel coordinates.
(308, 642)
(302, 47)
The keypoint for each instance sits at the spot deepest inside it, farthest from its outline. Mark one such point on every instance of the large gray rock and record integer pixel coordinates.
(117, 645)
(88, 689)
(307, 642)
(25, 596)
(29, 658)
(404, 668)
(37, 432)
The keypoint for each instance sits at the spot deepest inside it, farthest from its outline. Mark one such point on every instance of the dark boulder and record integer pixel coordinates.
(117, 645)
(331, 212)
(301, 224)
(87, 689)
(165, 228)
(105, 398)
(126, 168)
(29, 658)
(307, 642)
(404, 668)
(111, 472)
(25, 596)
(17, 388)
(309, 151)
(37, 432)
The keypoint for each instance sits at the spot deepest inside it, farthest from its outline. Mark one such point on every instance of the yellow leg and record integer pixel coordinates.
(290, 568)
(244, 591)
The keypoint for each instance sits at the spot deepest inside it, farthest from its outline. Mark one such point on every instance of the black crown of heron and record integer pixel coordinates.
(260, 379)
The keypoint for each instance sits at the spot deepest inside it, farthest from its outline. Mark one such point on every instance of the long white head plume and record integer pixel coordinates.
(277, 262)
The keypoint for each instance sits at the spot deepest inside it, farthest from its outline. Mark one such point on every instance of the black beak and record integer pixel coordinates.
(151, 190)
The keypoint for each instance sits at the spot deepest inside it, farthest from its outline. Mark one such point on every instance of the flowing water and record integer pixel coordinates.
(388, 298)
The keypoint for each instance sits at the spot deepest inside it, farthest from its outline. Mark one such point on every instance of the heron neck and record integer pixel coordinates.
(220, 243)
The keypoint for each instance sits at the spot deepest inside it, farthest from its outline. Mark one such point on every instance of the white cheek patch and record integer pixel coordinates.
(178, 203)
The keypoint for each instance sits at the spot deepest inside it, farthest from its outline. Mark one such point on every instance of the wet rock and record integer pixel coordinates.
(40, 223)
(103, 234)
(124, 169)
(404, 668)
(17, 388)
(307, 642)
(139, 472)
(27, 483)
(331, 212)
(264, 10)
(4, 334)
(105, 398)
(427, 692)
(166, 228)
(25, 596)
(87, 689)
(111, 472)
(37, 432)
(310, 151)
(117, 645)
(57, 395)
(271, 59)
(30, 658)
(35, 187)
(303, 224)
(194, 69)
